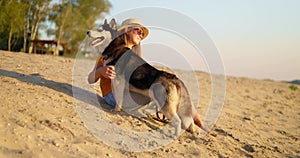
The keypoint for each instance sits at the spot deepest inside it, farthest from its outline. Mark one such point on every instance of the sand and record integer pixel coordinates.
(47, 109)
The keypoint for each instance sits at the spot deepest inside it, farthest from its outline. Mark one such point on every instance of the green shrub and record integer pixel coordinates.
(293, 87)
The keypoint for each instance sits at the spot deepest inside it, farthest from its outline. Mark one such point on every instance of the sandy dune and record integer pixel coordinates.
(48, 110)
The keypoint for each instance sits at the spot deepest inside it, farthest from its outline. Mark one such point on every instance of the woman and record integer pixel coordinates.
(133, 32)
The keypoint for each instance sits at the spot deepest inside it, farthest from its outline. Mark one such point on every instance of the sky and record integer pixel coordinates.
(255, 39)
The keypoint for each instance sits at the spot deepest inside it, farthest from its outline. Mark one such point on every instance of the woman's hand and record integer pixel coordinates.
(107, 71)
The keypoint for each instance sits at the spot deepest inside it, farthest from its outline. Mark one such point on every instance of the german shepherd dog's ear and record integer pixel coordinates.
(113, 24)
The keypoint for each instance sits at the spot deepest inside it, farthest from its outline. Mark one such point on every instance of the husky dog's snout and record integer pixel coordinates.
(88, 32)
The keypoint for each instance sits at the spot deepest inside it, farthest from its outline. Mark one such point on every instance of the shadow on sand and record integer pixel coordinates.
(65, 88)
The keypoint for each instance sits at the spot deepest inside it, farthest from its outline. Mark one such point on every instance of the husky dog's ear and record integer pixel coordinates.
(105, 21)
(113, 24)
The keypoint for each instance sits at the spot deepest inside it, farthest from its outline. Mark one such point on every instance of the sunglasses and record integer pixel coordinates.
(138, 31)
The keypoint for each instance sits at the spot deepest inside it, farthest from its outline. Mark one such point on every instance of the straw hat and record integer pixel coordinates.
(132, 22)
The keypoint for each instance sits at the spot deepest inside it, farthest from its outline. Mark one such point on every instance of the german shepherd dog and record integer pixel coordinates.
(133, 73)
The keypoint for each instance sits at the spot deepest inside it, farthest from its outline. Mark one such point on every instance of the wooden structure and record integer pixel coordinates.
(48, 44)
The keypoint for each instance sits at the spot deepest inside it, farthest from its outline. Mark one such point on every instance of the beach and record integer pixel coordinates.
(44, 112)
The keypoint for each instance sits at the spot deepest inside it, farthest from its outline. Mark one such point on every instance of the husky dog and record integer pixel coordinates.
(166, 89)
(103, 34)
(135, 74)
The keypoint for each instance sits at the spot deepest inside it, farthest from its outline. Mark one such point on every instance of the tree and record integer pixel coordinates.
(19, 18)
(74, 17)
(36, 12)
(11, 23)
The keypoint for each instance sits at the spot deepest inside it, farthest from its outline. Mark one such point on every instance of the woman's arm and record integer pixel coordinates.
(94, 76)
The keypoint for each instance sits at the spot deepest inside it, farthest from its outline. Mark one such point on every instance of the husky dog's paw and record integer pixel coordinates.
(212, 134)
(193, 129)
(116, 109)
